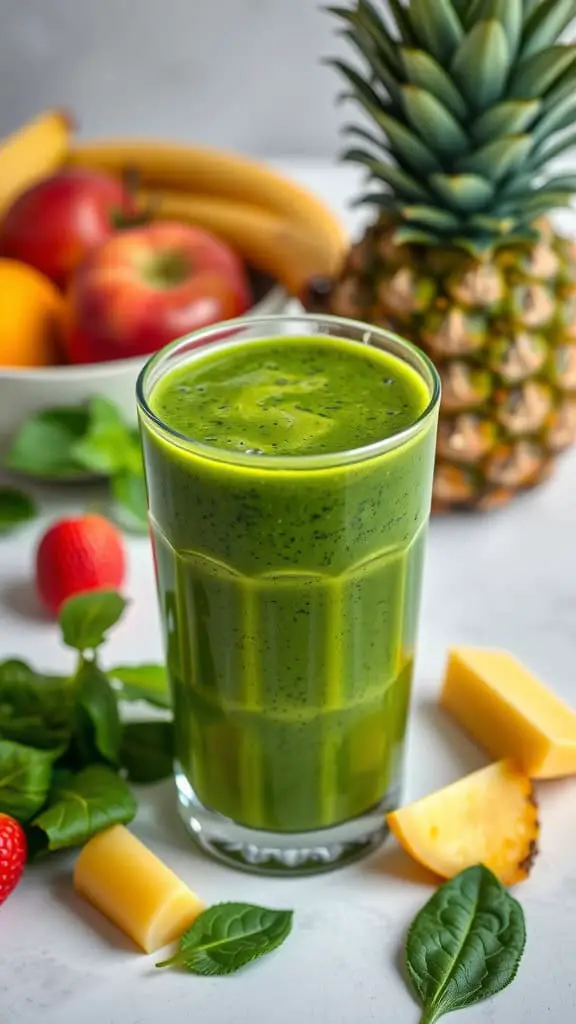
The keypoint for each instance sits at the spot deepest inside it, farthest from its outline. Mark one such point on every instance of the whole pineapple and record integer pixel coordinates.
(469, 102)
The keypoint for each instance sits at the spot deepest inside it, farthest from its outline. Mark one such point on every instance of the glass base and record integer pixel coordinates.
(282, 854)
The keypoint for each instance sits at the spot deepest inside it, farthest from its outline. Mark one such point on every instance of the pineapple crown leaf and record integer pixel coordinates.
(546, 23)
(497, 159)
(552, 150)
(437, 27)
(424, 70)
(509, 14)
(504, 119)
(529, 6)
(469, 101)
(433, 123)
(482, 65)
(535, 75)
(403, 23)
(469, 193)
(413, 235)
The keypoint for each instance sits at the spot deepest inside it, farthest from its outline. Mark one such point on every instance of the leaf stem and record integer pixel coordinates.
(176, 959)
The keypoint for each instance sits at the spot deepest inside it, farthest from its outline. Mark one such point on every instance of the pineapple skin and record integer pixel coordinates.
(501, 330)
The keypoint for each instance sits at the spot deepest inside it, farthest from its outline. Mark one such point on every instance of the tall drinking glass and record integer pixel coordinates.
(289, 468)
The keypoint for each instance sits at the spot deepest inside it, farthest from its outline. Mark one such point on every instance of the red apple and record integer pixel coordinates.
(53, 225)
(146, 286)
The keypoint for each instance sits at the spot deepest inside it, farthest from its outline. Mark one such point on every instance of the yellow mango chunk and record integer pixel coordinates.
(134, 889)
(489, 817)
(509, 712)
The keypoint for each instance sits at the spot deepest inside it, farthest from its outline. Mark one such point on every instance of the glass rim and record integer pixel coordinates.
(294, 462)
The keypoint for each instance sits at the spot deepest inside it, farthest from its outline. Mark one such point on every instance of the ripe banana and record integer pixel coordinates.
(211, 172)
(34, 151)
(292, 252)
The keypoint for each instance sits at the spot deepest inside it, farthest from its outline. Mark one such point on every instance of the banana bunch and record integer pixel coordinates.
(33, 152)
(277, 226)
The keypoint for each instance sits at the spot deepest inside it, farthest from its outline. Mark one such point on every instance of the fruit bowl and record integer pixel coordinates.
(24, 392)
(109, 248)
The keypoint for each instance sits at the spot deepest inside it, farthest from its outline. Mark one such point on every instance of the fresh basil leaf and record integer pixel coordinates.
(228, 936)
(103, 412)
(86, 618)
(87, 803)
(466, 944)
(147, 751)
(141, 682)
(25, 776)
(61, 777)
(35, 709)
(106, 450)
(100, 453)
(130, 505)
(44, 444)
(15, 508)
(109, 445)
(97, 709)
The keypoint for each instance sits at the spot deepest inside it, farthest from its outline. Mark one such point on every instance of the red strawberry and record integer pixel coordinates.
(13, 852)
(75, 555)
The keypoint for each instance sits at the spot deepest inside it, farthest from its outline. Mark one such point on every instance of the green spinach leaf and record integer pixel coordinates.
(466, 944)
(35, 709)
(16, 508)
(228, 936)
(108, 446)
(83, 805)
(44, 445)
(129, 494)
(98, 721)
(141, 682)
(86, 619)
(147, 751)
(25, 775)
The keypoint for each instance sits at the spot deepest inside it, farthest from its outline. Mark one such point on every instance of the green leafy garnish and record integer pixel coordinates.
(35, 709)
(43, 447)
(98, 726)
(465, 945)
(108, 446)
(16, 508)
(142, 682)
(228, 936)
(94, 799)
(129, 494)
(65, 754)
(147, 751)
(86, 619)
(25, 776)
(70, 442)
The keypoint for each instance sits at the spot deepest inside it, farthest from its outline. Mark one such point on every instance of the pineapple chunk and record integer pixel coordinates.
(509, 712)
(489, 817)
(134, 889)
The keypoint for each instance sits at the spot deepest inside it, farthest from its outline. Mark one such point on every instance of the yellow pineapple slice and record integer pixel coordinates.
(509, 712)
(489, 817)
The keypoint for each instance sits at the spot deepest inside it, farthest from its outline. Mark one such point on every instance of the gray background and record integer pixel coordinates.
(240, 73)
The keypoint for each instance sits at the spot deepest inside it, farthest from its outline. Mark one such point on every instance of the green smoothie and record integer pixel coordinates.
(289, 571)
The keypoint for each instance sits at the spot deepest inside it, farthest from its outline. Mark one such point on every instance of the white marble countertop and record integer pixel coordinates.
(508, 579)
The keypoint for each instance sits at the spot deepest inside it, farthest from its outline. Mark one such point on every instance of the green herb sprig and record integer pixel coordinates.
(66, 756)
(68, 442)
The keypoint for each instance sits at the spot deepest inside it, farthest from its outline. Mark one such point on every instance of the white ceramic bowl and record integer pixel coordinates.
(24, 392)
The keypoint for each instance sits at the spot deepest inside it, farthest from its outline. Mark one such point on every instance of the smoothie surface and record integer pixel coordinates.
(292, 396)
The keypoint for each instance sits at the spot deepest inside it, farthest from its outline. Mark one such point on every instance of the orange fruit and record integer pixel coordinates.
(489, 817)
(31, 317)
